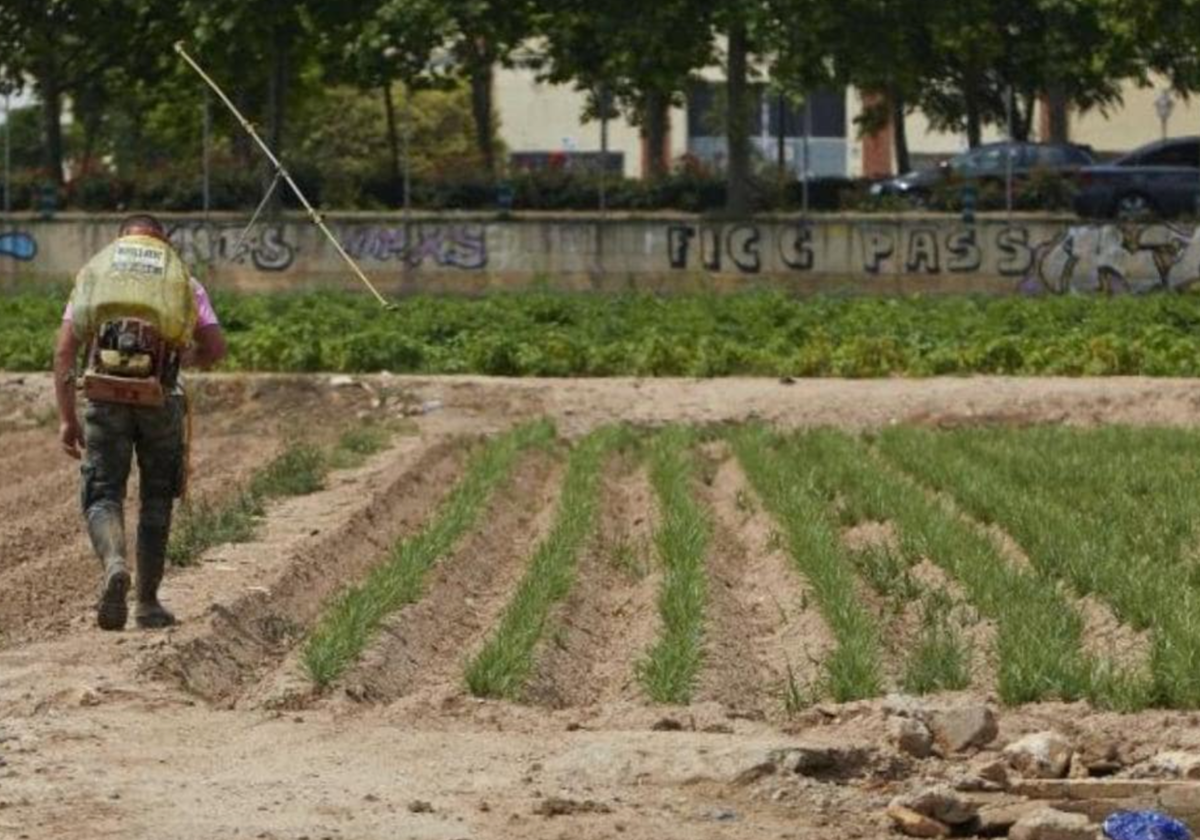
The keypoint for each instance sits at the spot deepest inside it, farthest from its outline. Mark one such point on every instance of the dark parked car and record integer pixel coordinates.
(986, 163)
(1161, 179)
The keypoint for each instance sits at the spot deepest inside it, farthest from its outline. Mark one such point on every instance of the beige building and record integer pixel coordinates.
(540, 122)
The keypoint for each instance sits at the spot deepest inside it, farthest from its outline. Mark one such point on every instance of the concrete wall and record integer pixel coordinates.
(852, 254)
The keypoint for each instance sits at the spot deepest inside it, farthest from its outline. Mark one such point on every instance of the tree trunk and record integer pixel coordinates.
(277, 91)
(240, 141)
(656, 121)
(974, 123)
(1030, 103)
(389, 108)
(900, 133)
(737, 124)
(481, 110)
(52, 127)
(1057, 122)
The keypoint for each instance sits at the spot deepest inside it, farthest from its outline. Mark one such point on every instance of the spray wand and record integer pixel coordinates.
(280, 173)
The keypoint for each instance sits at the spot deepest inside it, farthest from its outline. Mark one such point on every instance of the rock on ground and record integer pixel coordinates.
(939, 802)
(912, 824)
(1049, 824)
(960, 728)
(1041, 755)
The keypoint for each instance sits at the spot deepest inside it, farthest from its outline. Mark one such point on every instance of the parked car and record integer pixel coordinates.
(987, 163)
(1160, 179)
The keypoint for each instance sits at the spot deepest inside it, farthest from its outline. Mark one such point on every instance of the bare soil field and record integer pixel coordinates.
(214, 728)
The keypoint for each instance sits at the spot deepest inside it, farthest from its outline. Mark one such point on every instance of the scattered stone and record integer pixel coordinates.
(909, 822)
(991, 769)
(1049, 824)
(941, 803)
(420, 806)
(1177, 764)
(1100, 755)
(753, 774)
(558, 807)
(820, 761)
(960, 728)
(904, 705)
(1041, 755)
(88, 696)
(911, 736)
(996, 820)
(722, 815)
(1077, 769)
(341, 381)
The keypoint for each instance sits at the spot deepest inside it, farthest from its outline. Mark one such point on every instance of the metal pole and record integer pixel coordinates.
(1008, 153)
(603, 149)
(7, 155)
(206, 163)
(807, 136)
(406, 135)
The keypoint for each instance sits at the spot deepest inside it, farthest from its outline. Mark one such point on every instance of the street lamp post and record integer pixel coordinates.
(1163, 106)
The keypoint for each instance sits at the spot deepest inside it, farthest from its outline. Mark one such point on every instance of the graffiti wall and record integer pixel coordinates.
(860, 254)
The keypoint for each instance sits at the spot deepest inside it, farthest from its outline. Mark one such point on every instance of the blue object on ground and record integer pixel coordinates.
(1144, 825)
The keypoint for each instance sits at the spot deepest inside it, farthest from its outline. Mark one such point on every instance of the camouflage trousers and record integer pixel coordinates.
(114, 433)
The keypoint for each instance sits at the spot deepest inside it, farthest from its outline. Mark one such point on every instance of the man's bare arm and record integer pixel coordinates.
(66, 350)
(207, 349)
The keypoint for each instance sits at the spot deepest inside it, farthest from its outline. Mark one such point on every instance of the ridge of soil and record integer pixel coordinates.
(424, 647)
(610, 619)
(313, 546)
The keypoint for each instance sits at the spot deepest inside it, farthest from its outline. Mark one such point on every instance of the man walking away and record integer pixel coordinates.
(138, 317)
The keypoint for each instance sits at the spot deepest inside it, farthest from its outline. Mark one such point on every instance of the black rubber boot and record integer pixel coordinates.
(106, 527)
(151, 557)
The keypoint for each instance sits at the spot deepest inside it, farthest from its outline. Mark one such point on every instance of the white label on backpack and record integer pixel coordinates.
(139, 259)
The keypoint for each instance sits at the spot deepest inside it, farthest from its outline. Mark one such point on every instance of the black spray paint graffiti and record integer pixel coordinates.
(741, 244)
(265, 246)
(1112, 259)
(18, 245)
(446, 245)
(917, 250)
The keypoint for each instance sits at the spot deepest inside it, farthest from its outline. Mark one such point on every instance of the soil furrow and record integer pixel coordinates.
(609, 620)
(312, 546)
(765, 631)
(49, 567)
(426, 645)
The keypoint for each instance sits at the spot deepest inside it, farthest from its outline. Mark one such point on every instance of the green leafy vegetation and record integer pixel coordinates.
(502, 667)
(350, 622)
(670, 668)
(755, 333)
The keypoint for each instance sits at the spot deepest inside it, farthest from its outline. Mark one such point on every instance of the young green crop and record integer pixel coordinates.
(348, 624)
(298, 470)
(669, 671)
(787, 488)
(1088, 550)
(502, 667)
(1039, 634)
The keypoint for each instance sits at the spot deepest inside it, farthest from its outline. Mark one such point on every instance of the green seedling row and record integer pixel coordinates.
(502, 667)
(351, 621)
(669, 671)
(790, 493)
(1038, 633)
